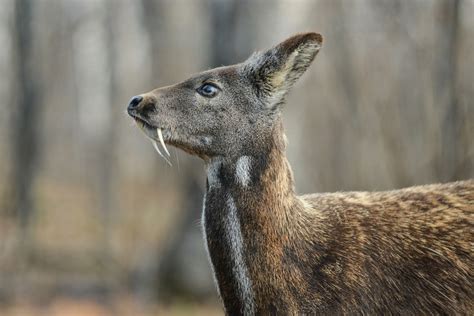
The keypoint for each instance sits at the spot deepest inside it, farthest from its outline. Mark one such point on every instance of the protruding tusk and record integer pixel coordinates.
(160, 136)
(155, 145)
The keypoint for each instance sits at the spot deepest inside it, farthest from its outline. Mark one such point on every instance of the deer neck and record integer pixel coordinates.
(258, 181)
(248, 206)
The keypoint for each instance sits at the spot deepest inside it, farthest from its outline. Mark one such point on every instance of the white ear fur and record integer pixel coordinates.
(275, 71)
(280, 82)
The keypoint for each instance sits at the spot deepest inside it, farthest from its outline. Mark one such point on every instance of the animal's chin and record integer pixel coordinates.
(191, 145)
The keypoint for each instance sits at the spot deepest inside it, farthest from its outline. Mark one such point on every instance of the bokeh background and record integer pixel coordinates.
(92, 222)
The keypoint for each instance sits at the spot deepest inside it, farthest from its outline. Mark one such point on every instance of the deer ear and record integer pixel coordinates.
(275, 71)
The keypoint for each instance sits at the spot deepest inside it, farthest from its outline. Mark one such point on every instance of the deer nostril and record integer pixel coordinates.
(134, 102)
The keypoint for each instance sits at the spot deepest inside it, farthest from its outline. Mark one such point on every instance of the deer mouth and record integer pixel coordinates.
(155, 134)
(144, 123)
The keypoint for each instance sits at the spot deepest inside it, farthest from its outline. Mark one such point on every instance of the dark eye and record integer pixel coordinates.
(208, 90)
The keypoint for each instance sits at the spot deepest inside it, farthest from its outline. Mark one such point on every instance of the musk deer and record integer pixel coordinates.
(405, 252)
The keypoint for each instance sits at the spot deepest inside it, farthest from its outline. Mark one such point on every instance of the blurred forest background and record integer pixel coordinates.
(92, 222)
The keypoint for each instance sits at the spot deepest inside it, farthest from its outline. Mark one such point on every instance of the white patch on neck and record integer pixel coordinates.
(206, 247)
(239, 269)
(242, 170)
(213, 170)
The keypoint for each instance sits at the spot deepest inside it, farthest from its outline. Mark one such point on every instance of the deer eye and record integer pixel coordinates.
(208, 90)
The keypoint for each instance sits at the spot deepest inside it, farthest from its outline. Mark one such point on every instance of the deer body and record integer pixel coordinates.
(407, 251)
(336, 253)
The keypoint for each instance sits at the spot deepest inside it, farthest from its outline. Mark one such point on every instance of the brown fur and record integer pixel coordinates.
(406, 251)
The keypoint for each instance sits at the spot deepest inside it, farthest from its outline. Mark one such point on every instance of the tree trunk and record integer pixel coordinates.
(445, 90)
(107, 180)
(25, 116)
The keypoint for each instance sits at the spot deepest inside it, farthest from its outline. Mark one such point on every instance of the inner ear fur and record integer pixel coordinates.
(274, 71)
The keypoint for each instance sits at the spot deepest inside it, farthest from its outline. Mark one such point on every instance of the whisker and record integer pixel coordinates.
(155, 145)
(176, 153)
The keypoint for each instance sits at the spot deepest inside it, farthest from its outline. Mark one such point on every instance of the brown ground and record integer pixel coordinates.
(120, 307)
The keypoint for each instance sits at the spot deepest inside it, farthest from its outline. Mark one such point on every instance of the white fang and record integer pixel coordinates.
(239, 269)
(242, 170)
(160, 136)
